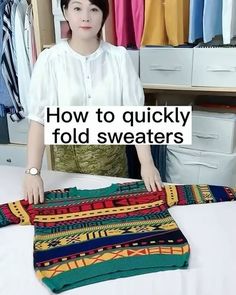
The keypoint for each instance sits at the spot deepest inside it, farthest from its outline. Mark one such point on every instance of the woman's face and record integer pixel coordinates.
(85, 19)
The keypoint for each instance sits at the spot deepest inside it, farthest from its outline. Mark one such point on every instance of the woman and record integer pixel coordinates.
(83, 70)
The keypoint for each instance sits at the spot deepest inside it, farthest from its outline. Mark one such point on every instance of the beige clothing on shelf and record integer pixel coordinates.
(154, 26)
(166, 22)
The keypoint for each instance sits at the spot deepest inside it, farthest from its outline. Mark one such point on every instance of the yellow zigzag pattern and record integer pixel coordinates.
(116, 254)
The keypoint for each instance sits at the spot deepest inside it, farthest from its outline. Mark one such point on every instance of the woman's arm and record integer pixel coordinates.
(33, 184)
(149, 172)
(133, 95)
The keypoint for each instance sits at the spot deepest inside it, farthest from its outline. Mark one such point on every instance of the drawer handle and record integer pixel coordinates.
(165, 69)
(213, 166)
(8, 160)
(219, 69)
(205, 136)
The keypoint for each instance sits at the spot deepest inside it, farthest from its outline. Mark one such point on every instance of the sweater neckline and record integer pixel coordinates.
(75, 192)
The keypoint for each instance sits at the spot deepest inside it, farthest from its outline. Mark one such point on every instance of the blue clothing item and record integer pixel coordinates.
(196, 20)
(212, 19)
(4, 93)
(2, 111)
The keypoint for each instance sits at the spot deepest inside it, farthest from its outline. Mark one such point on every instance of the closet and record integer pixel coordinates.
(14, 154)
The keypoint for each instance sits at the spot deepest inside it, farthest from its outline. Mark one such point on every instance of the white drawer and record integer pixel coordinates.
(166, 66)
(18, 131)
(215, 132)
(13, 155)
(16, 155)
(214, 67)
(134, 54)
(186, 166)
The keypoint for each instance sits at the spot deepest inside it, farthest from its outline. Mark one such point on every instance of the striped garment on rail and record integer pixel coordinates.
(8, 68)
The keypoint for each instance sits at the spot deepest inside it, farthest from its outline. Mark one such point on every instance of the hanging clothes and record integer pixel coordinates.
(129, 21)
(229, 20)
(29, 37)
(8, 69)
(177, 21)
(5, 100)
(33, 54)
(166, 22)
(154, 32)
(124, 23)
(13, 13)
(212, 19)
(22, 55)
(196, 20)
(138, 19)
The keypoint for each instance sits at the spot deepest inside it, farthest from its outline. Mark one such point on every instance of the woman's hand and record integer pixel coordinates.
(33, 189)
(151, 177)
(149, 172)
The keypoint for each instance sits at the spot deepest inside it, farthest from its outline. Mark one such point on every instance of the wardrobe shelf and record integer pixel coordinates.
(203, 90)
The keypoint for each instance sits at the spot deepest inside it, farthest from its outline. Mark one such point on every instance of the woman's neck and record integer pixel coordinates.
(84, 47)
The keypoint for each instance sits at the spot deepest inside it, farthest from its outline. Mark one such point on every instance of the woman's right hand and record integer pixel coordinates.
(33, 189)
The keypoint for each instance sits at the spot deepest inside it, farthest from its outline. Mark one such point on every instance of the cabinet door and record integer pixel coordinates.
(16, 155)
(43, 23)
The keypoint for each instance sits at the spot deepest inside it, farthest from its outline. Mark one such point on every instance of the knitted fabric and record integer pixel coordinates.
(88, 236)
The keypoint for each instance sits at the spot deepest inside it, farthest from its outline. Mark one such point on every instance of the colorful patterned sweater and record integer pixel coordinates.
(88, 236)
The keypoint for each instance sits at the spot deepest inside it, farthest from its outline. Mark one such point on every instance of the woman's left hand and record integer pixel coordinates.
(151, 177)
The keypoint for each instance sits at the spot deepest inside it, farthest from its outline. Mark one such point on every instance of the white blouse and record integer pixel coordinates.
(63, 77)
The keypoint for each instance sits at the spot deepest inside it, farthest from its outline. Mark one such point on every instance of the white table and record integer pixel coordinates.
(210, 230)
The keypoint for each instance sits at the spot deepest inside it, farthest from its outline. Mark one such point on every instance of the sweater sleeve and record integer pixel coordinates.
(198, 194)
(19, 212)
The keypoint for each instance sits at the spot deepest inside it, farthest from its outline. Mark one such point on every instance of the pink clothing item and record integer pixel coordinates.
(138, 18)
(129, 21)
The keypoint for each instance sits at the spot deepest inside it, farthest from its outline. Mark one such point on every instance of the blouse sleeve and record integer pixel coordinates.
(132, 91)
(42, 88)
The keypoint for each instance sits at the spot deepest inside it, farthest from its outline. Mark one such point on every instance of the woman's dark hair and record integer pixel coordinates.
(102, 4)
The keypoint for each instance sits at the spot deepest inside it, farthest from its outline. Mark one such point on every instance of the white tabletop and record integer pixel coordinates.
(210, 230)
